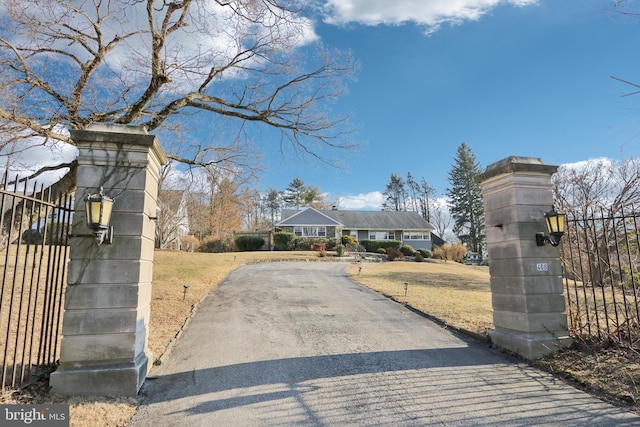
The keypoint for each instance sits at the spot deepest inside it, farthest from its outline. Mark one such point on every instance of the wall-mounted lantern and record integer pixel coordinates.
(555, 226)
(98, 208)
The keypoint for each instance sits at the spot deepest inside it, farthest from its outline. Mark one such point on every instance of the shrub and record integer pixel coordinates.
(57, 232)
(450, 252)
(283, 241)
(425, 253)
(32, 237)
(458, 251)
(349, 240)
(318, 246)
(393, 254)
(439, 253)
(418, 257)
(407, 250)
(629, 278)
(381, 251)
(216, 246)
(332, 243)
(374, 245)
(249, 243)
(340, 249)
(301, 243)
(189, 243)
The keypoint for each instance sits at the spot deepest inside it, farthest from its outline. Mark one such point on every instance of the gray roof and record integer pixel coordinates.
(356, 220)
(307, 217)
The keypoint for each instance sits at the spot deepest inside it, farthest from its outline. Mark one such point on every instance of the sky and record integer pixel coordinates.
(523, 78)
(528, 78)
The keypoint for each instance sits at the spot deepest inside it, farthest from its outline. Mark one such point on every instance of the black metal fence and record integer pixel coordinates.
(601, 260)
(34, 228)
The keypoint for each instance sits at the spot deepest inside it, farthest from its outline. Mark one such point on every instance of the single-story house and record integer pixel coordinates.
(408, 227)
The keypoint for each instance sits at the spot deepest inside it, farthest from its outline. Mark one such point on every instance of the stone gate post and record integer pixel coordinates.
(526, 280)
(106, 319)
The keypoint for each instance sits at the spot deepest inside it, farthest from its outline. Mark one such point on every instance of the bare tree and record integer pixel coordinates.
(395, 193)
(161, 63)
(172, 219)
(427, 193)
(596, 184)
(598, 195)
(442, 219)
(272, 201)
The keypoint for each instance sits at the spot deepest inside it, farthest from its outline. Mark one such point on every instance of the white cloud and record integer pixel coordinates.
(362, 201)
(430, 14)
(581, 165)
(26, 156)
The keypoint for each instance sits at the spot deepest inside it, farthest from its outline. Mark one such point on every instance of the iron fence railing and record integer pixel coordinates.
(34, 228)
(601, 261)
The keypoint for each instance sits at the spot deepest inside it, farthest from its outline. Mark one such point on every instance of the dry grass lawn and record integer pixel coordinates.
(457, 294)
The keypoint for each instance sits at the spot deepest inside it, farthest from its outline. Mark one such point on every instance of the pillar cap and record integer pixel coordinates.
(119, 134)
(514, 164)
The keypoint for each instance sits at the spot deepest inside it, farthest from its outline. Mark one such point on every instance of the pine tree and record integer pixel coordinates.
(465, 199)
(272, 203)
(297, 195)
(294, 193)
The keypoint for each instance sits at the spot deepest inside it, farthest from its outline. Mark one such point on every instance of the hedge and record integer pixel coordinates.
(249, 243)
(374, 245)
(285, 241)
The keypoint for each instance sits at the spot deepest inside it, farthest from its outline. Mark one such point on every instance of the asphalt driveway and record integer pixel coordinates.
(300, 344)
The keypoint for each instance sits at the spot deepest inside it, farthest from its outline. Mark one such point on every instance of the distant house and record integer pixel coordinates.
(407, 227)
(173, 219)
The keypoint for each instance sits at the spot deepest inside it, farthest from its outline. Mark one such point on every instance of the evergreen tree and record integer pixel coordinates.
(297, 194)
(272, 203)
(293, 194)
(313, 197)
(465, 199)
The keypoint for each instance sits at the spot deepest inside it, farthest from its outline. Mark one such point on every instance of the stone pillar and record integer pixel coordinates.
(526, 280)
(106, 319)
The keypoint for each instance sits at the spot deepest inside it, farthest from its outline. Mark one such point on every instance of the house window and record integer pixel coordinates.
(382, 235)
(417, 235)
(310, 231)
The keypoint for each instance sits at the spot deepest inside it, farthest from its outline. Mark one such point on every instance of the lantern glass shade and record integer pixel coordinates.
(555, 222)
(98, 210)
(98, 207)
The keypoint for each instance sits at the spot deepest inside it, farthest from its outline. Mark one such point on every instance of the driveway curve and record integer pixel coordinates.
(300, 344)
